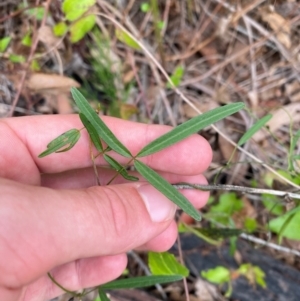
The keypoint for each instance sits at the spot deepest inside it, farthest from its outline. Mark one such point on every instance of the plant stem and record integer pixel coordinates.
(74, 294)
(236, 188)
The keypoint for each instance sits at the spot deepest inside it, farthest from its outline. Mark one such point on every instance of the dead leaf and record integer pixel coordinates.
(222, 95)
(46, 36)
(227, 149)
(282, 116)
(293, 91)
(248, 211)
(205, 291)
(128, 76)
(153, 95)
(210, 53)
(52, 83)
(203, 105)
(280, 25)
(127, 110)
(253, 98)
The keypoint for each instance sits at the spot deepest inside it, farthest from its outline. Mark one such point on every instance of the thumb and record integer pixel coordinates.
(43, 228)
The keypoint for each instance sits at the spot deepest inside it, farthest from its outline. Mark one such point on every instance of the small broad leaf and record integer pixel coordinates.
(253, 273)
(15, 58)
(27, 41)
(167, 189)
(60, 29)
(228, 204)
(138, 282)
(250, 224)
(103, 131)
(102, 296)
(81, 27)
(190, 127)
(287, 225)
(119, 168)
(272, 203)
(255, 128)
(74, 9)
(37, 12)
(145, 7)
(126, 39)
(176, 77)
(217, 275)
(34, 66)
(165, 264)
(92, 132)
(4, 43)
(62, 143)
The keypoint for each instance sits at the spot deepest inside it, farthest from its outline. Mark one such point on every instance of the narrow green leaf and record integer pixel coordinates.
(219, 233)
(119, 168)
(103, 131)
(102, 295)
(165, 263)
(167, 189)
(63, 138)
(67, 140)
(254, 128)
(190, 127)
(73, 141)
(126, 39)
(92, 132)
(187, 228)
(138, 282)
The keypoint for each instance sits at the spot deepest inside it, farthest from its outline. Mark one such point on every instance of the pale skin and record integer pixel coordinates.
(54, 219)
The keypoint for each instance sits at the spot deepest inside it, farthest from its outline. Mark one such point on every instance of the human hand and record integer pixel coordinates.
(53, 218)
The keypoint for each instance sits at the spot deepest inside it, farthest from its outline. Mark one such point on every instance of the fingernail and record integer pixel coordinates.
(159, 207)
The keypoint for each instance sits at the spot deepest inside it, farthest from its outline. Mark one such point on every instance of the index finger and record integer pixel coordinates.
(190, 156)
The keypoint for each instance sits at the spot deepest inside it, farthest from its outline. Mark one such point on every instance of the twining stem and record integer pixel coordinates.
(94, 163)
(203, 187)
(61, 287)
(118, 172)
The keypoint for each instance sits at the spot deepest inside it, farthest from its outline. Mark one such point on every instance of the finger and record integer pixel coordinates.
(41, 228)
(190, 156)
(77, 275)
(162, 242)
(85, 178)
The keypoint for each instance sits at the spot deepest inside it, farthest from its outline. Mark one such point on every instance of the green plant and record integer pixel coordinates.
(80, 22)
(158, 24)
(221, 275)
(99, 132)
(165, 264)
(106, 77)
